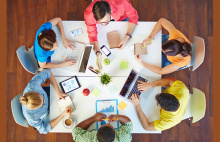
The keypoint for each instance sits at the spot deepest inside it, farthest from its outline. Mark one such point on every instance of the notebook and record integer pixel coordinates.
(139, 50)
(65, 103)
(113, 39)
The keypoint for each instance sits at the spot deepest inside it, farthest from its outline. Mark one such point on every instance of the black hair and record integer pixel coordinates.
(167, 101)
(47, 39)
(106, 134)
(100, 8)
(174, 47)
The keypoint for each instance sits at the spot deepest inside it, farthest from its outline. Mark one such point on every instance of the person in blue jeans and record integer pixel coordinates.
(45, 44)
(35, 104)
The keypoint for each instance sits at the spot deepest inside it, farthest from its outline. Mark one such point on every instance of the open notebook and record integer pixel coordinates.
(65, 103)
(113, 39)
(139, 50)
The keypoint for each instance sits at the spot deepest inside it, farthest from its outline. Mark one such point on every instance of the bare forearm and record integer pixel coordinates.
(163, 82)
(123, 119)
(151, 67)
(52, 65)
(54, 83)
(144, 121)
(54, 122)
(131, 27)
(85, 124)
(61, 29)
(96, 46)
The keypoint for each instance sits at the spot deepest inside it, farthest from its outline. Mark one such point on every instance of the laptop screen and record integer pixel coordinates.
(85, 58)
(128, 82)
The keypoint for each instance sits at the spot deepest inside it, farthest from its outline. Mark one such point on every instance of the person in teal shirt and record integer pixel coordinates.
(106, 132)
(45, 44)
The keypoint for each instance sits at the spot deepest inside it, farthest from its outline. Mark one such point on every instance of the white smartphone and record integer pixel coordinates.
(105, 50)
(75, 33)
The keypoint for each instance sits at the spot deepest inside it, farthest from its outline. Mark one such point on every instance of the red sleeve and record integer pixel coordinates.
(91, 27)
(130, 12)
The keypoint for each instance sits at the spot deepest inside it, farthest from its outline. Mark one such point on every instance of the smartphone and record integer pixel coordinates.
(105, 50)
(75, 33)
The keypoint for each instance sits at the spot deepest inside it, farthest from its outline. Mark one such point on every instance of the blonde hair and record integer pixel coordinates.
(31, 99)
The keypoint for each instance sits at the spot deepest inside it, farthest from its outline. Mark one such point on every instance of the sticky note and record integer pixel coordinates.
(96, 92)
(112, 89)
(124, 64)
(122, 105)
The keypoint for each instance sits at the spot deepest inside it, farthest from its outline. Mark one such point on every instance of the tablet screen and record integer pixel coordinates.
(70, 85)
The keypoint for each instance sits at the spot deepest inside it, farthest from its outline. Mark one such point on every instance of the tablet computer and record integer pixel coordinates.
(70, 84)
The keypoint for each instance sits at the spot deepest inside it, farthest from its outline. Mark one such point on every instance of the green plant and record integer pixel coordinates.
(105, 79)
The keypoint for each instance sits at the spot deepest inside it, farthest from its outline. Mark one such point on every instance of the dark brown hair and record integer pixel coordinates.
(47, 39)
(105, 134)
(174, 47)
(100, 8)
(167, 101)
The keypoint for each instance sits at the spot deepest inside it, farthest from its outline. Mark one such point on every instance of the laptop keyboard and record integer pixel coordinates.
(76, 55)
(134, 89)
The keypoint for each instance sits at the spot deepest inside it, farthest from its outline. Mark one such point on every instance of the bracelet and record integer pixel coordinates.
(98, 52)
(129, 35)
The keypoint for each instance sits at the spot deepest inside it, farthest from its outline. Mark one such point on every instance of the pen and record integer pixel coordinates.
(109, 119)
(148, 43)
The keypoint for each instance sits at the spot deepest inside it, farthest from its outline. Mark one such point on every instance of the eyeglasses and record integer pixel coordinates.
(106, 23)
(96, 71)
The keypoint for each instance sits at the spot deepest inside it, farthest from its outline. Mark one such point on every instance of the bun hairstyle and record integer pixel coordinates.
(31, 99)
(47, 39)
(174, 47)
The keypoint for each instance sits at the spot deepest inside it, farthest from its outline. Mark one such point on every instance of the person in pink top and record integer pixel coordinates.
(104, 11)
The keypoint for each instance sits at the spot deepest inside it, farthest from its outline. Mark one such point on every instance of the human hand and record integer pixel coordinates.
(135, 99)
(99, 61)
(99, 116)
(113, 118)
(138, 58)
(143, 86)
(146, 41)
(123, 42)
(67, 63)
(68, 43)
(67, 111)
(62, 95)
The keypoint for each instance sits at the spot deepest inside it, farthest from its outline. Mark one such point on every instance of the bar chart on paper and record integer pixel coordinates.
(108, 107)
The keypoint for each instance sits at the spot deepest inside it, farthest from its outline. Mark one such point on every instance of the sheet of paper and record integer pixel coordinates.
(108, 107)
(122, 105)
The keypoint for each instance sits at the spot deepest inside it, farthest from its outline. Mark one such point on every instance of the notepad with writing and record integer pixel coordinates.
(113, 39)
(139, 50)
(65, 103)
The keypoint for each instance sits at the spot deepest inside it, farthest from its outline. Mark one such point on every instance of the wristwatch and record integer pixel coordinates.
(129, 35)
(98, 52)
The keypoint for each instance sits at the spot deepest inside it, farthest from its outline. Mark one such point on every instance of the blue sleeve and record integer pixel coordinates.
(44, 27)
(41, 77)
(41, 126)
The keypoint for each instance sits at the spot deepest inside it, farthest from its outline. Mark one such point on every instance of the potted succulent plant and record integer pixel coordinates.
(105, 79)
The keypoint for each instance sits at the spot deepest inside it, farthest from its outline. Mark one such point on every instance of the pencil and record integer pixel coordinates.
(69, 113)
(109, 119)
(148, 43)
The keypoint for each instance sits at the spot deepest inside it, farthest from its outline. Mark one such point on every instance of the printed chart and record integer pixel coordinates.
(108, 107)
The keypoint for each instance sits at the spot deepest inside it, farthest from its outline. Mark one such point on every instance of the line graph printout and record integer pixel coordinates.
(108, 107)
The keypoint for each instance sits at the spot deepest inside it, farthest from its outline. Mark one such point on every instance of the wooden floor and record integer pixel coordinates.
(192, 17)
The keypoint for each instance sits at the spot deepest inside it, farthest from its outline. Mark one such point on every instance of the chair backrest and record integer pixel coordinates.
(197, 105)
(198, 52)
(17, 112)
(27, 59)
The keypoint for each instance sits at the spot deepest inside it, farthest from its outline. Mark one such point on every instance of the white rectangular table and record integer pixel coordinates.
(85, 105)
